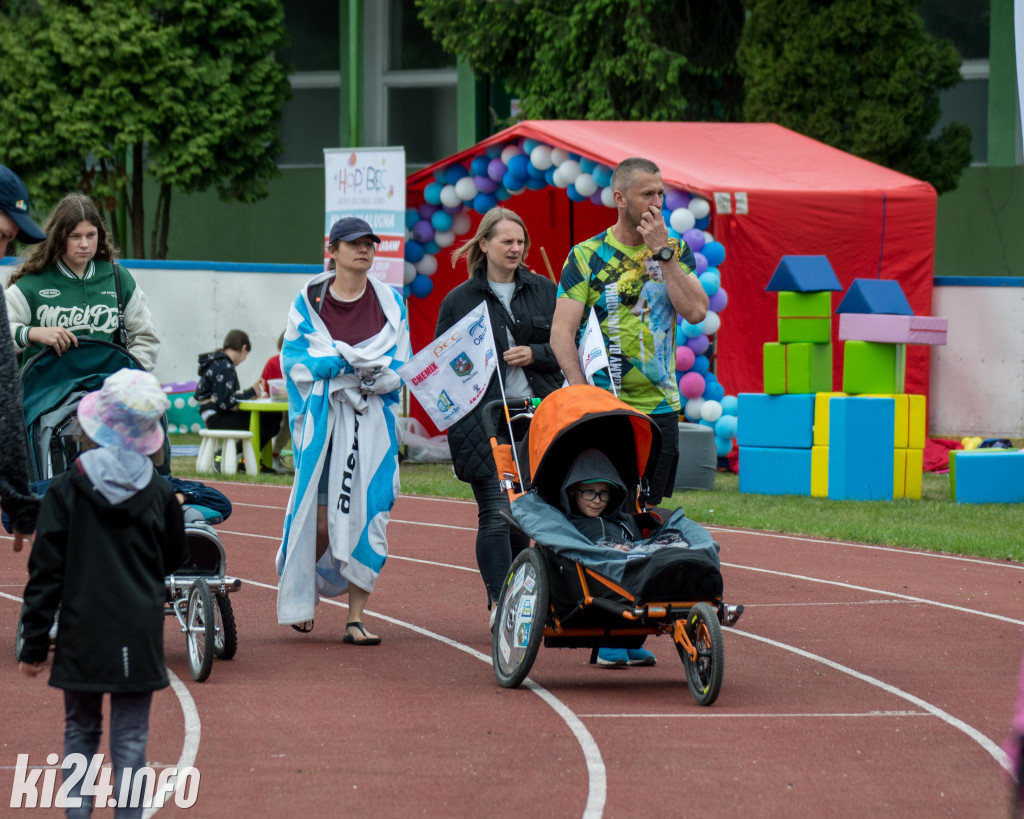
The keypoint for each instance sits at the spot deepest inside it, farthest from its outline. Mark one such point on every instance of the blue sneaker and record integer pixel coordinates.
(612, 657)
(640, 656)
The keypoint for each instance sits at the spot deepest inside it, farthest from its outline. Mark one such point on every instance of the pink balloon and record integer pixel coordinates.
(692, 385)
(684, 358)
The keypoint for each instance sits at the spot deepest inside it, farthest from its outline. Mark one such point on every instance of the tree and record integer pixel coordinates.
(601, 59)
(96, 95)
(860, 75)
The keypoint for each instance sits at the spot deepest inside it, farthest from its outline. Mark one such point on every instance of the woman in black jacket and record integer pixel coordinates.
(520, 304)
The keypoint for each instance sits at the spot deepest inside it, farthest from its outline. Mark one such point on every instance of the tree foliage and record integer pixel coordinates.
(860, 75)
(601, 59)
(98, 94)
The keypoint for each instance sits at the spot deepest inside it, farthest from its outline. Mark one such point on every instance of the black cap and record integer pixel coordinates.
(350, 228)
(14, 202)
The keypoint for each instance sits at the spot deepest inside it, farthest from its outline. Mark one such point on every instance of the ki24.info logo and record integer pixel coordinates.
(36, 786)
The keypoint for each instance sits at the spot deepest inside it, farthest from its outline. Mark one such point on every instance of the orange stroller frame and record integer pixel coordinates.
(571, 604)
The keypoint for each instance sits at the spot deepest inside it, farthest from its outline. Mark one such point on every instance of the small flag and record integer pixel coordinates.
(451, 374)
(593, 355)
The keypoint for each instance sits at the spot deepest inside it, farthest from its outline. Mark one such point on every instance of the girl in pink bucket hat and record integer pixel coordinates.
(114, 529)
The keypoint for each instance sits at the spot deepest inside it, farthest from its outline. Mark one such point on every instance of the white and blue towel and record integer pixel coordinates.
(345, 399)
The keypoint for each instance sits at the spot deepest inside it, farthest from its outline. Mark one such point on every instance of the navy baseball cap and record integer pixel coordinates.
(351, 228)
(14, 202)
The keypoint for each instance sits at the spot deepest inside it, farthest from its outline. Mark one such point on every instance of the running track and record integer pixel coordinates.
(860, 681)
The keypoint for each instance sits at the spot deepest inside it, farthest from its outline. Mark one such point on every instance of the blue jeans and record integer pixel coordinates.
(129, 731)
(496, 543)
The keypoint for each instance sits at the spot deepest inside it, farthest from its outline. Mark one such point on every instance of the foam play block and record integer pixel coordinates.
(861, 451)
(873, 367)
(805, 317)
(819, 471)
(875, 296)
(821, 416)
(797, 367)
(892, 329)
(908, 467)
(910, 419)
(986, 476)
(775, 420)
(803, 274)
(775, 470)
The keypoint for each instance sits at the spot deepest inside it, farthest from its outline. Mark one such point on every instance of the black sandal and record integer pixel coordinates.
(305, 627)
(365, 640)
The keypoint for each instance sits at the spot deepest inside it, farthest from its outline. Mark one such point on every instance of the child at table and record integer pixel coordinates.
(272, 371)
(218, 391)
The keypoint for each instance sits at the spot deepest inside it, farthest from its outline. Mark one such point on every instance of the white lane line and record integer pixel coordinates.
(907, 597)
(707, 713)
(596, 774)
(906, 550)
(190, 715)
(987, 744)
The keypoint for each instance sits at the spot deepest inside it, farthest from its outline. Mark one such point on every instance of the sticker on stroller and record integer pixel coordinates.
(526, 606)
(503, 646)
(530, 583)
(522, 635)
(518, 580)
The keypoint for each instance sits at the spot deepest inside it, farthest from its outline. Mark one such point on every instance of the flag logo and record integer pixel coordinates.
(463, 365)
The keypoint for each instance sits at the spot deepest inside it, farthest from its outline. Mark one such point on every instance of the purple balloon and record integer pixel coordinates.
(426, 210)
(423, 231)
(484, 184)
(596, 198)
(694, 238)
(718, 301)
(455, 211)
(676, 199)
(701, 264)
(699, 345)
(496, 169)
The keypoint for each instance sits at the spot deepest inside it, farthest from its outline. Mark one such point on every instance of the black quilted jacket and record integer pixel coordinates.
(533, 305)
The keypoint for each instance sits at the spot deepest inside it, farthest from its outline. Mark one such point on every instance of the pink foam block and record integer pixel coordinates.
(890, 329)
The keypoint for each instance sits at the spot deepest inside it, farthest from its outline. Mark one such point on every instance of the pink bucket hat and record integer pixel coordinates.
(125, 412)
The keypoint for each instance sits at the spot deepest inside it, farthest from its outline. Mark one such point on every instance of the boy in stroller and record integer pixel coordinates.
(594, 499)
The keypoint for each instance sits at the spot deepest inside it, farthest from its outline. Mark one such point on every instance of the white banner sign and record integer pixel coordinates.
(370, 183)
(450, 376)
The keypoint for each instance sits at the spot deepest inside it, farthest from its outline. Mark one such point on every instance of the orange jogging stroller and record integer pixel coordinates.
(571, 593)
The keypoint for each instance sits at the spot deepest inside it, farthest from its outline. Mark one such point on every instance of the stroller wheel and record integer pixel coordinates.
(703, 674)
(225, 641)
(200, 630)
(519, 625)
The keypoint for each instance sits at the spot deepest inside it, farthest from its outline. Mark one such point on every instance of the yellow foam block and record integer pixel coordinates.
(911, 419)
(908, 467)
(819, 471)
(821, 417)
(918, 422)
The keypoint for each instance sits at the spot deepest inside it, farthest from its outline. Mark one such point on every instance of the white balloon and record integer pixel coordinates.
(585, 185)
(681, 220)
(408, 273)
(558, 156)
(692, 409)
(461, 223)
(711, 321)
(559, 178)
(427, 265)
(608, 197)
(449, 198)
(711, 411)
(466, 188)
(444, 238)
(540, 156)
(707, 237)
(699, 207)
(570, 169)
(509, 152)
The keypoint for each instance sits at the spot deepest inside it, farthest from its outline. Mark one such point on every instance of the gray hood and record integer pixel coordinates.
(116, 474)
(593, 465)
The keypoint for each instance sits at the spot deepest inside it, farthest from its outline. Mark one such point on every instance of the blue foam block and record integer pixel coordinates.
(986, 476)
(803, 274)
(875, 296)
(861, 437)
(775, 470)
(776, 420)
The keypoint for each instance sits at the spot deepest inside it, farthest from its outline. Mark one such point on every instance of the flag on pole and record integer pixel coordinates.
(592, 352)
(451, 374)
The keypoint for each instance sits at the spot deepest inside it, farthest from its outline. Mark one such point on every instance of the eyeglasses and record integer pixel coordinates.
(593, 494)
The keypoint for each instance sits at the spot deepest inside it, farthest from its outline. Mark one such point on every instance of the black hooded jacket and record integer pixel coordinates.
(533, 305)
(615, 523)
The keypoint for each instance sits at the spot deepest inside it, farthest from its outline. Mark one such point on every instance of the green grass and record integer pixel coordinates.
(934, 523)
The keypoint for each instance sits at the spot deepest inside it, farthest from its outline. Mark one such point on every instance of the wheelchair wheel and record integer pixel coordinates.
(704, 675)
(225, 641)
(199, 634)
(519, 624)
(19, 635)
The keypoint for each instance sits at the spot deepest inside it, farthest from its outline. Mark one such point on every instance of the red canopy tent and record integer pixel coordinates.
(773, 191)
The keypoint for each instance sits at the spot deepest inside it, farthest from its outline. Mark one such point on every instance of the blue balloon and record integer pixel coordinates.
(478, 167)
(502, 193)
(574, 194)
(714, 252)
(723, 446)
(483, 202)
(529, 144)
(412, 216)
(455, 173)
(442, 220)
(413, 251)
(703, 223)
(710, 281)
(493, 150)
(680, 335)
(406, 291)
(512, 182)
(602, 175)
(549, 175)
(713, 391)
(535, 173)
(432, 193)
(700, 364)
(431, 248)
(535, 183)
(421, 286)
(725, 426)
(729, 405)
(519, 167)
(587, 165)
(692, 330)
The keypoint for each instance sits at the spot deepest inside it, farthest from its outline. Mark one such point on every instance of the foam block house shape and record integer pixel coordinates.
(801, 360)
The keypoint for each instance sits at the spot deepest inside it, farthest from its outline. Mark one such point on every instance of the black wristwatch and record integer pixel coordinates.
(664, 255)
